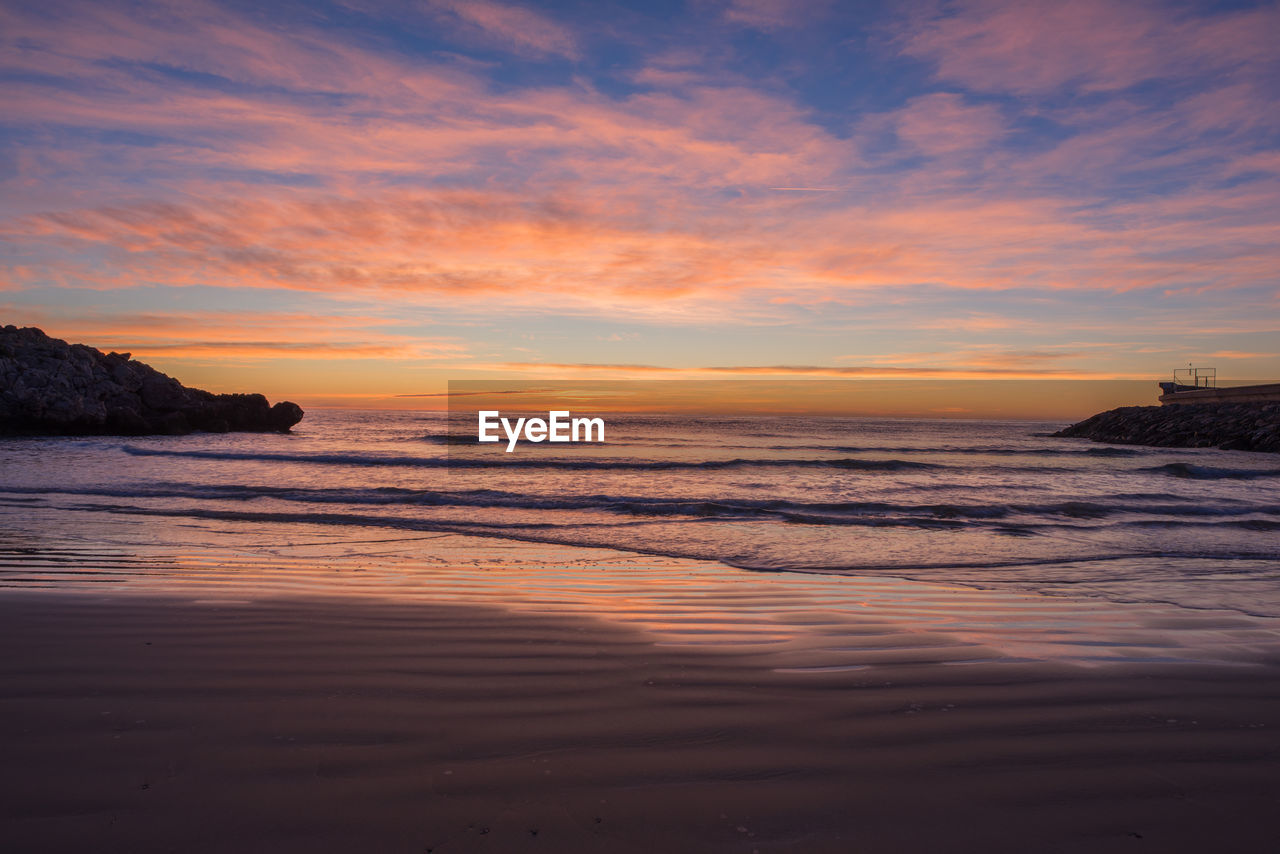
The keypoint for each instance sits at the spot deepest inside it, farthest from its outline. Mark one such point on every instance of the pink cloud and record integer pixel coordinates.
(1091, 45)
(515, 27)
(774, 14)
(943, 124)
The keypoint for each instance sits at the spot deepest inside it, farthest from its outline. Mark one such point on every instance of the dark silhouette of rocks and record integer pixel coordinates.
(51, 388)
(1230, 426)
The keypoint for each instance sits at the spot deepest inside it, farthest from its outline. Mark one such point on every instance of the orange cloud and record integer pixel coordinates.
(584, 255)
(244, 335)
(953, 371)
(284, 350)
(1236, 354)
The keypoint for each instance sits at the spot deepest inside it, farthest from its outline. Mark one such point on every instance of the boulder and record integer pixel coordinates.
(51, 388)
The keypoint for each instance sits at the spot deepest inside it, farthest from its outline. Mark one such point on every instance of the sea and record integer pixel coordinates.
(984, 504)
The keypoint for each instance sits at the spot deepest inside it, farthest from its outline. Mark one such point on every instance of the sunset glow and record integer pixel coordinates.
(349, 203)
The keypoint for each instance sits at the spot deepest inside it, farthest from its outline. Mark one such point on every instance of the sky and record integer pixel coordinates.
(344, 202)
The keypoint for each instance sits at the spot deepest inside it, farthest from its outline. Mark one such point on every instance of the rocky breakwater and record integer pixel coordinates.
(49, 387)
(1230, 426)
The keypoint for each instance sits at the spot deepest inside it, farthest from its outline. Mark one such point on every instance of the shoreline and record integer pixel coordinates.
(326, 725)
(330, 530)
(682, 600)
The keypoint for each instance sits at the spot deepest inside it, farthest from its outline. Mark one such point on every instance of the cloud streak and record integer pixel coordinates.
(508, 25)
(961, 371)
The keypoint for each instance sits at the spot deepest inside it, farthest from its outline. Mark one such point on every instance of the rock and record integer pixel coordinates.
(285, 414)
(163, 393)
(50, 387)
(1251, 426)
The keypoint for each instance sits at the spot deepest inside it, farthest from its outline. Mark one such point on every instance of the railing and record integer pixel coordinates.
(1196, 377)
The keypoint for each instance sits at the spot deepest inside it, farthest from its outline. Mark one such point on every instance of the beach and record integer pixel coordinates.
(564, 708)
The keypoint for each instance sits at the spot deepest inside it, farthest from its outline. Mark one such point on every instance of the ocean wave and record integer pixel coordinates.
(980, 450)
(1185, 524)
(1199, 472)
(581, 536)
(507, 462)
(469, 439)
(1168, 510)
(448, 439)
(344, 459)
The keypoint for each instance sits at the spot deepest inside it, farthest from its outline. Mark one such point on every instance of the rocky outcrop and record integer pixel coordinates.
(1230, 426)
(50, 387)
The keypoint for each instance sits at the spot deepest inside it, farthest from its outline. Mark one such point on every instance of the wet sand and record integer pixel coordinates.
(147, 723)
